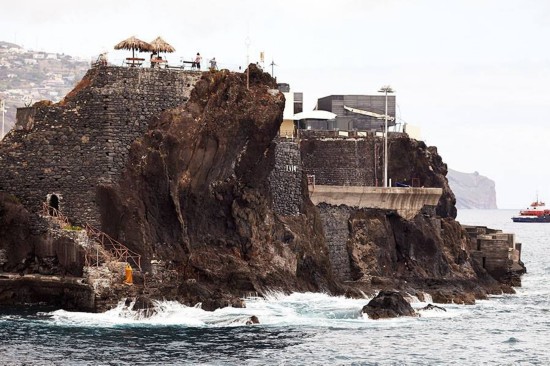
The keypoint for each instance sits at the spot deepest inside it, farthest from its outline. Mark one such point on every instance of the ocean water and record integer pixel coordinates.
(303, 328)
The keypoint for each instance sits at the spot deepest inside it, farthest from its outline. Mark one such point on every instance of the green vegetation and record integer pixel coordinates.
(72, 228)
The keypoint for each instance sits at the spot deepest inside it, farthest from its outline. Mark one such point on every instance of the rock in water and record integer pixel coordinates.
(388, 304)
(253, 320)
(144, 307)
(433, 307)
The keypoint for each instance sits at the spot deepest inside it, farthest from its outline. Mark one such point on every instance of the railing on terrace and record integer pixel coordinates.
(173, 62)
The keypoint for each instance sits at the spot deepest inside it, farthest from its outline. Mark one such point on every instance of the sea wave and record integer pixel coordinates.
(275, 309)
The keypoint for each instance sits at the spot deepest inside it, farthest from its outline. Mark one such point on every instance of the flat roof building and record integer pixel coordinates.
(357, 112)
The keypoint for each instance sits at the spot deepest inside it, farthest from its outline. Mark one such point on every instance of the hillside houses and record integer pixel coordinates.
(28, 76)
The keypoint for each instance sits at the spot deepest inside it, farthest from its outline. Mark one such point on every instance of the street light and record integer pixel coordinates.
(386, 89)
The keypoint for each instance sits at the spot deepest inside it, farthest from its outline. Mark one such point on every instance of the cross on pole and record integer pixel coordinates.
(272, 64)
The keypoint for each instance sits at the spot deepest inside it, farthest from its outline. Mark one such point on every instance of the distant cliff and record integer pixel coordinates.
(472, 190)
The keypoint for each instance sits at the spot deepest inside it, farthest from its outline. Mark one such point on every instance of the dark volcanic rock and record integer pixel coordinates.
(426, 254)
(433, 307)
(144, 306)
(66, 293)
(16, 239)
(195, 193)
(412, 159)
(388, 304)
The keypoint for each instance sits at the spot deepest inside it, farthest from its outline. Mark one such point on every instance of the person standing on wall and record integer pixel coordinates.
(198, 60)
(213, 64)
(103, 59)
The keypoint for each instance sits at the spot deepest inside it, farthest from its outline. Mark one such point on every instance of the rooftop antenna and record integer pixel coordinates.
(272, 64)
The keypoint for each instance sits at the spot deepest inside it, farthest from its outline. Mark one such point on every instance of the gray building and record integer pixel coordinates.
(357, 112)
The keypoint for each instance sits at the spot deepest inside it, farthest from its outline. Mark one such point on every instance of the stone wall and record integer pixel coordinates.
(335, 221)
(285, 179)
(495, 251)
(339, 162)
(68, 149)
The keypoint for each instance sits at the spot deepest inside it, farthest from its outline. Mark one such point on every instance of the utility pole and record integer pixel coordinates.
(386, 89)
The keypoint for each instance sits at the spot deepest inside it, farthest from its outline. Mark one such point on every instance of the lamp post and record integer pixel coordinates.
(386, 89)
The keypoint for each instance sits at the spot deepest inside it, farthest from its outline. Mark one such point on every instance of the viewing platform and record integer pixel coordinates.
(407, 201)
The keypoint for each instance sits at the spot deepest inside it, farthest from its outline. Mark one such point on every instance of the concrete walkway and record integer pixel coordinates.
(407, 201)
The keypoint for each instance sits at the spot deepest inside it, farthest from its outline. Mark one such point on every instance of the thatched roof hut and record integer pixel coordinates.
(134, 44)
(160, 45)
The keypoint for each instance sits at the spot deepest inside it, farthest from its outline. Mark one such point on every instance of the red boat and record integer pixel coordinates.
(537, 208)
(537, 212)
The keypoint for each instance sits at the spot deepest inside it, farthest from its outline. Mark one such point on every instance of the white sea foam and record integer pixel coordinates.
(276, 309)
(305, 329)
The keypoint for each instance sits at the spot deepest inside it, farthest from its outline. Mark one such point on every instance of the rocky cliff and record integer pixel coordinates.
(472, 190)
(196, 195)
(198, 199)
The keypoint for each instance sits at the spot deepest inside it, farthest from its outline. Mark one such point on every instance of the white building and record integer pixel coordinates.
(293, 104)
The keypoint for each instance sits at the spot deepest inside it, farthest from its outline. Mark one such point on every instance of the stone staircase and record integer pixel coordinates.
(105, 259)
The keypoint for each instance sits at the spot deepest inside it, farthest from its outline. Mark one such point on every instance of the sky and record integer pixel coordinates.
(473, 75)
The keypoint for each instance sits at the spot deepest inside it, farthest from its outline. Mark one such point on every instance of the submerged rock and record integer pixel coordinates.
(433, 307)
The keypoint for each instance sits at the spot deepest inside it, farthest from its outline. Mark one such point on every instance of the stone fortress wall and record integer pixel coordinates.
(285, 180)
(67, 149)
(341, 161)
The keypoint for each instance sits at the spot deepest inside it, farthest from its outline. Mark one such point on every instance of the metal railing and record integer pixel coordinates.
(114, 250)
(117, 250)
(61, 219)
(173, 60)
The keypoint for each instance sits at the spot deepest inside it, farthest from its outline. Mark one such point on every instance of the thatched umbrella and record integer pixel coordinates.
(160, 45)
(133, 44)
